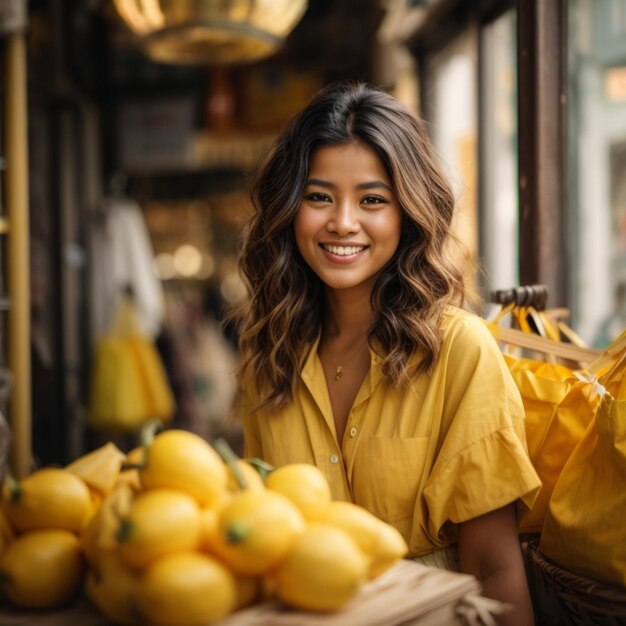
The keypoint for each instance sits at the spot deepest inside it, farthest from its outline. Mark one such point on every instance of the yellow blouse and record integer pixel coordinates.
(447, 448)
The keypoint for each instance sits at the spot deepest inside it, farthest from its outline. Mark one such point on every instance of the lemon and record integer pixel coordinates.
(322, 571)
(95, 502)
(48, 498)
(185, 589)
(160, 521)
(88, 538)
(382, 543)
(100, 534)
(111, 586)
(305, 485)
(179, 459)
(209, 521)
(41, 569)
(256, 529)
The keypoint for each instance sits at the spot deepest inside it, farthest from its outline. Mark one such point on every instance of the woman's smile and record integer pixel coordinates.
(342, 253)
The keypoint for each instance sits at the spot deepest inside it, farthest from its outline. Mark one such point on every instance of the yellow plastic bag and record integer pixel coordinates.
(129, 385)
(553, 426)
(585, 527)
(557, 401)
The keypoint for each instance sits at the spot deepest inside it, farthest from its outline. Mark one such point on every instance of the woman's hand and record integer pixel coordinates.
(489, 549)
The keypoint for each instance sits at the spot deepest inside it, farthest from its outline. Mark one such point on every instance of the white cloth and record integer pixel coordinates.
(123, 256)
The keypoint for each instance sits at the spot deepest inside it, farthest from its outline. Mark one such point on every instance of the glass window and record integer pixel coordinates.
(499, 200)
(450, 100)
(597, 167)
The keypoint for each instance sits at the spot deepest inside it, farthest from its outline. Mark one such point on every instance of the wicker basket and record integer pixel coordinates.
(562, 598)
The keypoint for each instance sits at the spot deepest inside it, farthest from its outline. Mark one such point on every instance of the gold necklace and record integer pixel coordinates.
(339, 368)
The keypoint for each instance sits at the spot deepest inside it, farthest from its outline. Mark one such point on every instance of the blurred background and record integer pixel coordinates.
(129, 130)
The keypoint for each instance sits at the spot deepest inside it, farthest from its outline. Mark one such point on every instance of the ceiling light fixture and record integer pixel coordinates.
(224, 32)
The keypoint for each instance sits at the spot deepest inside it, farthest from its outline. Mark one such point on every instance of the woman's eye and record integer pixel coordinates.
(374, 200)
(316, 196)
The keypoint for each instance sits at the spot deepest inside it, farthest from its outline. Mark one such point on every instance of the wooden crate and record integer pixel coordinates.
(409, 593)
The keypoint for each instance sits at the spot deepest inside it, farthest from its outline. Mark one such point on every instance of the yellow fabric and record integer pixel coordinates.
(129, 385)
(559, 407)
(585, 527)
(448, 448)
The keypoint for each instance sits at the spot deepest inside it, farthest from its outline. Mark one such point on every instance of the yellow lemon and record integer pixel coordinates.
(252, 478)
(256, 529)
(88, 538)
(305, 485)
(323, 570)
(41, 569)
(95, 502)
(99, 468)
(185, 589)
(100, 534)
(160, 521)
(179, 459)
(382, 543)
(48, 498)
(111, 586)
(209, 522)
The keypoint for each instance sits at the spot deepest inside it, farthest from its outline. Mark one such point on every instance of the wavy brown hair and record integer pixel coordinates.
(285, 304)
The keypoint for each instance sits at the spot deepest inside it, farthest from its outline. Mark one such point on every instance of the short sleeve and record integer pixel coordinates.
(482, 463)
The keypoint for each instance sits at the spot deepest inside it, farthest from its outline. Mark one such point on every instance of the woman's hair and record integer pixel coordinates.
(285, 304)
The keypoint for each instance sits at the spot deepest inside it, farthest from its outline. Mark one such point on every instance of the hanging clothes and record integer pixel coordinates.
(123, 257)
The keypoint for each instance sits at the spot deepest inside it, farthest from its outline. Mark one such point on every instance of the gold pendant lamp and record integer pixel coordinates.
(219, 32)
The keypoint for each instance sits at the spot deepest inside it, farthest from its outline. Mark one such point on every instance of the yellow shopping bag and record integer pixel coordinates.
(557, 402)
(129, 385)
(585, 527)
(552, 428)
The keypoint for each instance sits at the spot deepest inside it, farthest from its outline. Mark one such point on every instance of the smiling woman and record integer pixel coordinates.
(356, 357)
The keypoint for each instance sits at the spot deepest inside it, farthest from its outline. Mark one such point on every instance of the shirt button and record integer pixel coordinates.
(353, 432)
(334, 458)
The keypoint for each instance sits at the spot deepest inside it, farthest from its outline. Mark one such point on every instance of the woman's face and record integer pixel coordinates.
(349, 220)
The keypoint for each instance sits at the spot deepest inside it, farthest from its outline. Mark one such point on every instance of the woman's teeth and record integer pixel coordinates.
(343, 250)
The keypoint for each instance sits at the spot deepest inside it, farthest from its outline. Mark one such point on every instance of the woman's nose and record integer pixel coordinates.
(344, 219)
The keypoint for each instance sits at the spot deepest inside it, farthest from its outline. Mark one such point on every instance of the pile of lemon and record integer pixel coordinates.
(174, 535)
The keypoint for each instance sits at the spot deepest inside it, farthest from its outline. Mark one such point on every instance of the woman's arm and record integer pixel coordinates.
(489, 549)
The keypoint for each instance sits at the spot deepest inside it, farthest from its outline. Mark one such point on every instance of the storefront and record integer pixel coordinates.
(526, 105)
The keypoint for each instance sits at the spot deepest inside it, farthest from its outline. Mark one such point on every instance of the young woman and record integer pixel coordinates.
(356, 357)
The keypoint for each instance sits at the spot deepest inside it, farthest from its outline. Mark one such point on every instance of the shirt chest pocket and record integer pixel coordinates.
(387, 476)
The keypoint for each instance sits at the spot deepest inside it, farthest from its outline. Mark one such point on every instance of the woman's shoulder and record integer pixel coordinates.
(460, 321)
(465, 331)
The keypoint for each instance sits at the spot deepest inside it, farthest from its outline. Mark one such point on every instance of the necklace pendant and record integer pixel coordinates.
(339, 372)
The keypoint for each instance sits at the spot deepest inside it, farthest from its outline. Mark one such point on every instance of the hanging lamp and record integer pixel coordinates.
(219, 32)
